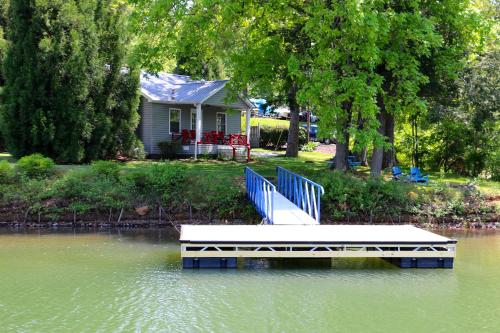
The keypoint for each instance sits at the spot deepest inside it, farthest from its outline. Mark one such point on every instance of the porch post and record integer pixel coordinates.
(248, 115)
(199, 128)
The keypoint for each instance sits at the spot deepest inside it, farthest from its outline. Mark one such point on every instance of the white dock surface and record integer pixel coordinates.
(286, 212)
(327, 234)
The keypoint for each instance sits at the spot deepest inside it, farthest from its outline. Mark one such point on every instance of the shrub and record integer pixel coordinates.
(108, 169)
(29, 195)
(272, 137)
(6, 172)
(168, 150)
(302, 136)
(346, 195)
(493, 165)
(137, 151)
(276, 137)
(82, 190)
(165, 182)
(310, 146)
(35, 166)
(215, 197)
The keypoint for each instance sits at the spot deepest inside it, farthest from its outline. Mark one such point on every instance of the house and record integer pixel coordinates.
(198, 114)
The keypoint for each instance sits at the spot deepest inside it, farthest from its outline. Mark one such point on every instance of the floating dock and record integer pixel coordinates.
(291, 228)
(219, 246)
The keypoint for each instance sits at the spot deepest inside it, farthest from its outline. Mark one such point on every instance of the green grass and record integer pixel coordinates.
(269, 122)
(311, 164)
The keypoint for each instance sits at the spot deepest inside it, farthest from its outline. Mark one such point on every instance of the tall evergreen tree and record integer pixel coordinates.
(49, 68)
(67, 94)
(117, 97)
(4, 5)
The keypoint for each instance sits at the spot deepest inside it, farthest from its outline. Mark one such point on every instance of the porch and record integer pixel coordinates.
(232, 146)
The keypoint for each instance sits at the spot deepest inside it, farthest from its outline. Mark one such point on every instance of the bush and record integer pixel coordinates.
(6, 172)
(82, 190)
(310, 146)
(276, 137)
(273, 137)
(168, 150)
(302, 137)
(165, 183)
(493, 165)
(35, 166)
(346, 195)
(108, 169)
(215, 197)
(137, 151)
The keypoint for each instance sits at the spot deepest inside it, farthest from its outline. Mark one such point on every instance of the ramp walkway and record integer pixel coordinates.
(294, 200)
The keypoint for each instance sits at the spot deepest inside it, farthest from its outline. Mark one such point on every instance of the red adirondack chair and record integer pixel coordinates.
(185, 137)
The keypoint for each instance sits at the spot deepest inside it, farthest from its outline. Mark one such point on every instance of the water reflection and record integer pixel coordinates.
(132, 280)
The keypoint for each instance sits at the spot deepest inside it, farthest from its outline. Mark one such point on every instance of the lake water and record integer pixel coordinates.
(126, 281)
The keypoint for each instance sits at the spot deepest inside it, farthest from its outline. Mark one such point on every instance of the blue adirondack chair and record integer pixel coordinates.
(352, 162)
(417, 177)
(397, 174)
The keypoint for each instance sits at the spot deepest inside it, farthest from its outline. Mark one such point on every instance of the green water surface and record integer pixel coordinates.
(133, 282)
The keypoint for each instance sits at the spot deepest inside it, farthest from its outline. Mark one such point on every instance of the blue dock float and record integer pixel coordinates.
(291, 229)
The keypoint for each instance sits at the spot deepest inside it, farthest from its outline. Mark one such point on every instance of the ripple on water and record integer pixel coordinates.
(96, 283)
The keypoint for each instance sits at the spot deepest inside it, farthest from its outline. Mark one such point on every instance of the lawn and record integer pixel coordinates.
(311, 164)
(269, 122)
(222, 182)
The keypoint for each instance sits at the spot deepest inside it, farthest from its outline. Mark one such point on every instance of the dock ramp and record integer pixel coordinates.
(293, 200)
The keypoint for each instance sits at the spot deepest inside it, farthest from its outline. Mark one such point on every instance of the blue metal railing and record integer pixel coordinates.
(303, 192)
(261, 192)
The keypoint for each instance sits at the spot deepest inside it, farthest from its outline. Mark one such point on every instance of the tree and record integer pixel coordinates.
(3, 49)
(342, 84)
(465, 136)
(426, 50)
(66, 94)
(116, 97)
(49, 68)
(262, 44)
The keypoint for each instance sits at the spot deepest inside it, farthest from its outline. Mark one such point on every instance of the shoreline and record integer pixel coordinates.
(155, 224)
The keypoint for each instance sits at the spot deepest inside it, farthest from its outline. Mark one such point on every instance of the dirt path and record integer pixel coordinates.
(326, 149)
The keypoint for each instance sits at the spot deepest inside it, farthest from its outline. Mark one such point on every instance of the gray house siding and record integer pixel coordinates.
(233, 119)
(159, 132)
(219, 99)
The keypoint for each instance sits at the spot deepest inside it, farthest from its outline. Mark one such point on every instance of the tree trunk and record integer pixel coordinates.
(342, 147)
(388, 159)
(363, 157)
(414, 132)
(362, 154)
(292, 144)
(378, 152)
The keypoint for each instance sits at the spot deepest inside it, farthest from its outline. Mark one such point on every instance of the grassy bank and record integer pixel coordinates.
(208, 190)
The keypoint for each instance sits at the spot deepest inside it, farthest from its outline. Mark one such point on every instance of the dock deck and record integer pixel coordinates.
(291, 228)
(287, 213)
(206, 245)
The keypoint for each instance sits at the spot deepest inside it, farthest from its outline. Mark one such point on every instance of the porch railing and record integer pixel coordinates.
(261, 192)
(303, 192)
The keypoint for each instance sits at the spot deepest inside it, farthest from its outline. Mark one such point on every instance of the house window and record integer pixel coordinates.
(221, 122)
(175, 121)
(193, 119)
